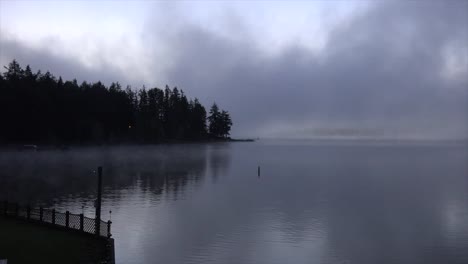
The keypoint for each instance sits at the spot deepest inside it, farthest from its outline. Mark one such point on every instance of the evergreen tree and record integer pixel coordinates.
(225, 123)
(14, 71)
(214, 118)
(197, 120)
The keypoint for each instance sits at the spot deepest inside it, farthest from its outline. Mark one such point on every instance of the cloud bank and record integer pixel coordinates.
(391, 70)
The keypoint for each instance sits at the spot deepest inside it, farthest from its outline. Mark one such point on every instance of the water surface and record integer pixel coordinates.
(329, 202)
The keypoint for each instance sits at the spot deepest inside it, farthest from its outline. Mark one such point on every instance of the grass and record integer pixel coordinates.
(23, 242)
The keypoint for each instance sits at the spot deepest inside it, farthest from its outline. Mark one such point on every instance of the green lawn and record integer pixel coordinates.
(22, 242)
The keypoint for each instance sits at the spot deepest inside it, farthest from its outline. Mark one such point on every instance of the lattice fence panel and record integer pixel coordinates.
(11, 209)
(47, 216)
(74, 221)
(23, 212)
(88, 225)
(103, 230)
(60, 219)
(35, 214)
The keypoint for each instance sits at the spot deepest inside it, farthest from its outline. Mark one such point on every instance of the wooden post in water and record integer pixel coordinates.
(53, 216)
(258, 171)
(97, 226)
(41, 213)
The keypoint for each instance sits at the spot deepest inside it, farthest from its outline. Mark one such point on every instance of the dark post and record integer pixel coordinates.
(41, 213)
(109, 228)
(6, 208)
(97, 225)
(53, 216)
(81, 222)
(67, 218)
(16, 210)
(28, 212)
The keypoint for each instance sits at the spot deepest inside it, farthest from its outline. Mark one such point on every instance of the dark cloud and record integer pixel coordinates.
(380, 71)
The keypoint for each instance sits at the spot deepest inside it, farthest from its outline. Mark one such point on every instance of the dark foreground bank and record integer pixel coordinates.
(23, 242)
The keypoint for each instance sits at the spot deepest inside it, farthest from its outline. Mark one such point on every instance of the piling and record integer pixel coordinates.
(98, 203)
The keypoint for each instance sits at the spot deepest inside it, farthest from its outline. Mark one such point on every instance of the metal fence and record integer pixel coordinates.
(67, 220)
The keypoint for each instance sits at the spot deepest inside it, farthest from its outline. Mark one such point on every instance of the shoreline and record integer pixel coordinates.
(61, 146)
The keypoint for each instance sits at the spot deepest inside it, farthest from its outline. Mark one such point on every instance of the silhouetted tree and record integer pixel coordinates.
(226, 123)
(220, 122)
(197, 120)
(213, 118)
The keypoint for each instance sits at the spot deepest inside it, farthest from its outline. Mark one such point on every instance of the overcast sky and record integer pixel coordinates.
(390, 69)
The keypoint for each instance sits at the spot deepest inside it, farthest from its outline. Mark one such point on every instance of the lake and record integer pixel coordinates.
(331, 202)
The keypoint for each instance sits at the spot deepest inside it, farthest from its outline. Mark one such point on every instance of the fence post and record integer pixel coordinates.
(16, 210)
(41, 213)
(81, 222)
(67, 218)
(5, 208)
(53, 216)
(109, 228)
(28, 212)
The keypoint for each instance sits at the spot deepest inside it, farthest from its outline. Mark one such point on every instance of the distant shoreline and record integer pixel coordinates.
(62, 146)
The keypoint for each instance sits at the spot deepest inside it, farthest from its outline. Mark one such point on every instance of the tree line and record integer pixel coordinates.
(40, 108)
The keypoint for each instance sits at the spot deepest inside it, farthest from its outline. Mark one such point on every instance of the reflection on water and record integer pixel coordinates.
(49, 177)
(219, 160)
(314, 203)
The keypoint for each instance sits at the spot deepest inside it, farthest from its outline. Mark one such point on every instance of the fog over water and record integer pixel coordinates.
(314, 201)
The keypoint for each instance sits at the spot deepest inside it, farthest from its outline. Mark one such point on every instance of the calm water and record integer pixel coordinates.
(314, 202)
